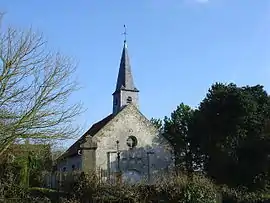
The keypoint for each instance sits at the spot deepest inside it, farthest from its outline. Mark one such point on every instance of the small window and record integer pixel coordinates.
(129, 100)
(73, 167)
(132, 142)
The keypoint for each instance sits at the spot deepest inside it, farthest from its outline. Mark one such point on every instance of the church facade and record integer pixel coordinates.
(125, 143)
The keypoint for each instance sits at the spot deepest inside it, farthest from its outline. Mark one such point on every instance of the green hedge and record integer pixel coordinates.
(243, 196)
(195, 189)
(182, 188)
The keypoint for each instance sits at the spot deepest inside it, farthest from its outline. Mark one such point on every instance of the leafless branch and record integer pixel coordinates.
(35, 87)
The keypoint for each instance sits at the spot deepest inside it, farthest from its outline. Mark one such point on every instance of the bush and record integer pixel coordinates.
(178, 188)
(241, 195)
(88, 187)
(9, 187)
(181, 188)
(188, 189)
(11, 191)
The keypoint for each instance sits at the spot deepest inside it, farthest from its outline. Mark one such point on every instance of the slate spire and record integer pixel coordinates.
(125, 90)
(125, 78)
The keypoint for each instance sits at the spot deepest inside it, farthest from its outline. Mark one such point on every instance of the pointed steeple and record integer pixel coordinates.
(125, 91)
(125, 78)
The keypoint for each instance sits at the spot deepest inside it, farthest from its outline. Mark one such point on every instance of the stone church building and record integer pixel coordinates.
(124, 144)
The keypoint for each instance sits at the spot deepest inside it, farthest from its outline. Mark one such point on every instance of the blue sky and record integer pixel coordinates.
(178, 48)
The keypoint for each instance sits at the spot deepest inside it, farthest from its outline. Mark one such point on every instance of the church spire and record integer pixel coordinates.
(125, 91)
(125, 78)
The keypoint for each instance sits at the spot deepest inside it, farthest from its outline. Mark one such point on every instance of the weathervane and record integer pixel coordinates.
(125, 33)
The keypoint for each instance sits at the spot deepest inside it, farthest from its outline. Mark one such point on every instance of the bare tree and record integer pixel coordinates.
(35, 86)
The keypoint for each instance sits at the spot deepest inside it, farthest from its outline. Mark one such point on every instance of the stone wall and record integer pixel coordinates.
(133, 162)
(69, 162)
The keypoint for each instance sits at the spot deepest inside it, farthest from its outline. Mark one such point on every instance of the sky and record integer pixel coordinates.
(177, 48)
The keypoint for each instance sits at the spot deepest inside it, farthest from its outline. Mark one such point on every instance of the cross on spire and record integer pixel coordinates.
(125, 34)
(125, 90)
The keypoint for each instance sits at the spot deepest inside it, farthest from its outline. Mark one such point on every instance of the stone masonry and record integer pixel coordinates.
(124, 141)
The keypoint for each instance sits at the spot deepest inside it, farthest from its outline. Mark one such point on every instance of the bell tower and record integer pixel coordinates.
(125, 91)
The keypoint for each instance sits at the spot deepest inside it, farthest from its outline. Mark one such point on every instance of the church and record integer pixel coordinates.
(124, 144)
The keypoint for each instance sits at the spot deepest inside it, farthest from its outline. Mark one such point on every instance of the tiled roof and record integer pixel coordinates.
(73, 150)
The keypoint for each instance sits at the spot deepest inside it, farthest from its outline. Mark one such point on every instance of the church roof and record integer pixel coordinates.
(95, 128)
(125, 78)
(73, 150)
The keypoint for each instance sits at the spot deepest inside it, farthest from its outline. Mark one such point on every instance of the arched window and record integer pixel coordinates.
(129, 99)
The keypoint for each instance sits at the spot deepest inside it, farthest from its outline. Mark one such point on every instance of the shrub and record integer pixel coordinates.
(181, 188)
(9, 187)
(241, 195)
(188, 189)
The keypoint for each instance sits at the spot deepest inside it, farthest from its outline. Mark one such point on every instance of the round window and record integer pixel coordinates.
(132, 141)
